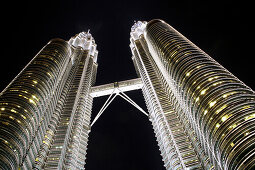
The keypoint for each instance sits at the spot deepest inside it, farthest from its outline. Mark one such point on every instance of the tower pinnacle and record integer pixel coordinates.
(86, 42)
(137, 29)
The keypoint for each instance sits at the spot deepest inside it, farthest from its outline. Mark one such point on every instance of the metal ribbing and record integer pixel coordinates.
(167, 144)
(182, 141)
(58, 130)
(77, 144)
(178, 114)
(39, 160)
(189, 147)
(68, 141)
(25, 101)
(219, 105)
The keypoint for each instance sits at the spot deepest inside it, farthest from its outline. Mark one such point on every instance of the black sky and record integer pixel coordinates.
(123, 137)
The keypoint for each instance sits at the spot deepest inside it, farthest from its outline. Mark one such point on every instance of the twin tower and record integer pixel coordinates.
(202, 115)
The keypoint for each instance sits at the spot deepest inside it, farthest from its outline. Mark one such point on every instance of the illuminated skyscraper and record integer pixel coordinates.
(202, 115)
(45, 110)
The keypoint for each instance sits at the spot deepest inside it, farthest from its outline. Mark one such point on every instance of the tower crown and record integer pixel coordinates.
(137, 29)
(85, 41)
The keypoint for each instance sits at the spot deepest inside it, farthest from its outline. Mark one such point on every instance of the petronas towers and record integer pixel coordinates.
(202, 115)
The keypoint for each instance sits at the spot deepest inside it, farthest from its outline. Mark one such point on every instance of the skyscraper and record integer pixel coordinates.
(45, 110)
(202, 115)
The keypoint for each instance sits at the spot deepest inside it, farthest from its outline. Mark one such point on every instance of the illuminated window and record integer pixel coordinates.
(205, 112)
(32, 101)
(211, 104)
(224, 118)
(249, 117)
(24, 117)
(14, 111)
(203, 92)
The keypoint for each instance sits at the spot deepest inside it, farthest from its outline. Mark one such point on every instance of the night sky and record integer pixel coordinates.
(123, 138)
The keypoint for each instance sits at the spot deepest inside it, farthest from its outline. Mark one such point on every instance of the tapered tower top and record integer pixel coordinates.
(137, 29)
(85, 41)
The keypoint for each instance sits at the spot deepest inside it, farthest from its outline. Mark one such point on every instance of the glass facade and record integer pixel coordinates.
(203, 116)
(45, 110)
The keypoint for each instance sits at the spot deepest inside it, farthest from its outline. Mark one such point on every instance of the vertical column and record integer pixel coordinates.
(79, 126)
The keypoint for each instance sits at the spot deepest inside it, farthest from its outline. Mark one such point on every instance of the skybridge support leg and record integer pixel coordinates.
(114, 90)
(106, 104)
